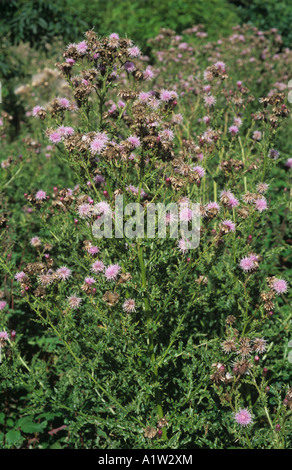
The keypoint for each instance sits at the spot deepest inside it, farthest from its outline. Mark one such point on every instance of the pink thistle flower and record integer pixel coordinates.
(247, 264)
(243, 417)
(177, 118)
(288, 163)
(102, 207)
(257, 135)
(167, 95)
(169, 218)
(233, 130)
(280, 286)
(99, 179)
(114, 36)
(3, 339)
(261, 204)
(70, 61)
(209, 100)
(213, 205)
(166, 135)
(262, 187)
(35, 241)
(93, 250)
(225, 195)
(89, 281)
(129, 306)
(134, 51)
(220, 65)
(144, 96)
(148, 74)
(134, 190)
(208, 77)
(199, 170)
(134, 141)
(64, 103)
(113, 108)
(81, 47)
(19, 276)
(61, 130)
(2, 304)
(130, 67)
(183, 245)
(40, 195)
(97, 267)
(66, 130)
(85, 210)
(153, 102)
(185, 214)
(74, 301)
(112, 272)
(229, 224)
(45, 279)
(98, 143)
(55, 137)
(36, 110)
(233, 202)
(63, 273)
(237, 121)
(183, 45)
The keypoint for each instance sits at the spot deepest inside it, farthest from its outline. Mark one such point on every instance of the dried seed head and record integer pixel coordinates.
(228, 346)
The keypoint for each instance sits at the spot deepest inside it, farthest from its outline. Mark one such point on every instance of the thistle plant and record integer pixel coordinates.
(151, 336)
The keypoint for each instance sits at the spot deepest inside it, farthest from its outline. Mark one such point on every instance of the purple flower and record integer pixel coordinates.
(63, 273)
(134, 141)
(40, 195)
(134, 51)
(112, 272)
(2, 304)
(280, 286)
(74, 301)
(243, 417)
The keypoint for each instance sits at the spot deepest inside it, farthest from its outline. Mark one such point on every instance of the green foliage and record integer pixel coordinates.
(141, 20)
(266, 15)
(38, 21)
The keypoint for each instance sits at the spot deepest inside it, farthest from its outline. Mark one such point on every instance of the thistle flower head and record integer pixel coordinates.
(74, 301)
(280, 286)
(63, 273)
(129, 306)
(243, 417)
(112, 272)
